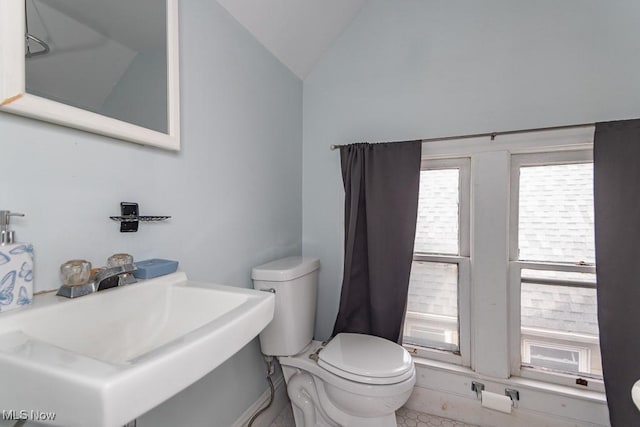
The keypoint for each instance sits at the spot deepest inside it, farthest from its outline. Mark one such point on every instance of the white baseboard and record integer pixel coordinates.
(265, 419)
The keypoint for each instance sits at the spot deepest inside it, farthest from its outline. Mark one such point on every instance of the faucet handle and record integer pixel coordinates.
(75, 272)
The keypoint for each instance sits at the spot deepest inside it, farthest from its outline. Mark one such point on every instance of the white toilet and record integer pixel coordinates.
(353, 380)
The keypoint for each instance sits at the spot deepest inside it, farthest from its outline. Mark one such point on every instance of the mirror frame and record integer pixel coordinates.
(14, 99)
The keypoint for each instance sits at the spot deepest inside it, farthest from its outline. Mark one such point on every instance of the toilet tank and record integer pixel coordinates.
(295, 282)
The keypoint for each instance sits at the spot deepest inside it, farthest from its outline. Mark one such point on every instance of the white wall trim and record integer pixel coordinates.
(266, 418)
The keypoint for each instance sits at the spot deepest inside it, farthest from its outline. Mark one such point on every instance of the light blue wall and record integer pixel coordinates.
(429, 68)
(234, 190)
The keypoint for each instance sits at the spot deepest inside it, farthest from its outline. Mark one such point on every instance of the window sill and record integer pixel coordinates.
(516, 382)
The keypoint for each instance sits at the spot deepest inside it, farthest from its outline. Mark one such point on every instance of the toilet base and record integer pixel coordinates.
(312, 408)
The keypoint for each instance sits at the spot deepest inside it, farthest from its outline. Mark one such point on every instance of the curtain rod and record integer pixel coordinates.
(493, 135)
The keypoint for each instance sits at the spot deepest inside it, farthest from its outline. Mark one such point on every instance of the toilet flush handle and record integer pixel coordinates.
(273, 291)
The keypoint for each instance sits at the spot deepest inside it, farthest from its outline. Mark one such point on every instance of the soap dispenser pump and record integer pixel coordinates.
(7, 236)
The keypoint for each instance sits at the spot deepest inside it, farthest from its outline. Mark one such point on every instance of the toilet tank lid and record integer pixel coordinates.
(285, 269)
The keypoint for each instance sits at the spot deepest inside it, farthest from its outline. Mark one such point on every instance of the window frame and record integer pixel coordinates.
(491, 314)
(462, 260)
(516, 266)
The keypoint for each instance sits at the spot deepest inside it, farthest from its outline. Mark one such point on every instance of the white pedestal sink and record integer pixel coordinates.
(104, 359)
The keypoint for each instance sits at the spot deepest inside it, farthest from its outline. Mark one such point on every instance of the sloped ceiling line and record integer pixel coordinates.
(297, 32)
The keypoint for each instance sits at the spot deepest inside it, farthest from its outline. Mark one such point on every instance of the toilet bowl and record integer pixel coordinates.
(342, 398)
(352, 380)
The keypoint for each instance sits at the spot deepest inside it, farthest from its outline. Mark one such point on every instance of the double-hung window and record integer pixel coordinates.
(437, 318)
(503, 275)
(552, 268)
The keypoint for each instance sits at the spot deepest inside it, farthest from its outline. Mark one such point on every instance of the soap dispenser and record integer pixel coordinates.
(16, 267)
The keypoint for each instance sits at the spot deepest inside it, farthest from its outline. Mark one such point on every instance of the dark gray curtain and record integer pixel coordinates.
(381, 183)
(617, 227)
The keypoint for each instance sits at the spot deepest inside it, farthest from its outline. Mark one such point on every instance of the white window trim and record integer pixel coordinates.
(490, 299)
(463, 356)
(564, 336)
(515, 267)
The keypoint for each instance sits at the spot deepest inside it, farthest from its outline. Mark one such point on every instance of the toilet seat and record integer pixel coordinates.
(366, 359)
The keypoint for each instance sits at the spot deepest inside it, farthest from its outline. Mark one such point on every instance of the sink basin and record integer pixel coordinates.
(104, 359)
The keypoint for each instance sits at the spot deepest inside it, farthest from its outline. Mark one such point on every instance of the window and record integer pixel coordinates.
(553, 264)
(436, 321)
(503, 276)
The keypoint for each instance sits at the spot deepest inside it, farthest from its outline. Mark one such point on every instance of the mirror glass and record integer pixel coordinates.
(108, 57)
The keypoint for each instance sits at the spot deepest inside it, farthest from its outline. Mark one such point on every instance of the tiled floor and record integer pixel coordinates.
(405, 417)
(409, 418)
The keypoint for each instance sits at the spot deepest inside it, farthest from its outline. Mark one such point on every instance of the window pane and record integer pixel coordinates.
(554, 357)
(560, 326)
(432, 308)
(437, 225)
(556, 213)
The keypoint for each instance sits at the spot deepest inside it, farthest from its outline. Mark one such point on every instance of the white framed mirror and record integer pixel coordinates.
(107, 67)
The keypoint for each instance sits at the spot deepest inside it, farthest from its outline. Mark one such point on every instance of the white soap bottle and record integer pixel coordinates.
(16, 267)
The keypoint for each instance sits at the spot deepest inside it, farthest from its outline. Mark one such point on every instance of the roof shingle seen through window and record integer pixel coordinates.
(556, 213)
(556, 224)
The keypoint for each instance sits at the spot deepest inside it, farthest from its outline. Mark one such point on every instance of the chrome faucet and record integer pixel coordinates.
(104, 279)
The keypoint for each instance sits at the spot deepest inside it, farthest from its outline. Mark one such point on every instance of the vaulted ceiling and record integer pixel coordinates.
(297, 32)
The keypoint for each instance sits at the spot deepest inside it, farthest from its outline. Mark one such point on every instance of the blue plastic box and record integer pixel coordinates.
(150, 268)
